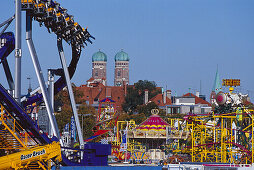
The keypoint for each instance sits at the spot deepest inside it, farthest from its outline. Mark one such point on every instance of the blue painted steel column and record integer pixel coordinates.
(40, 76)
(69, 87)
(17, 90)
(51, 95)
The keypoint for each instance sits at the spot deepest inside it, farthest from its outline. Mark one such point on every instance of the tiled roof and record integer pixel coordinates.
(198, 100)
(91, 79)
(99, 93)
(158, 100)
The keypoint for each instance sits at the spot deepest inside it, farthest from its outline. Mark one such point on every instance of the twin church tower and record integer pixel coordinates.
(99, 68)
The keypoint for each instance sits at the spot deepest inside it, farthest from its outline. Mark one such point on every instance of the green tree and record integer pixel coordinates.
(138, 118)
(88, 114)
(135, 95)
(63, 117)
(146, 109)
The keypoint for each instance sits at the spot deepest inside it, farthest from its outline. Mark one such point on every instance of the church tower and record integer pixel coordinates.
(99, 68)
(216, 88)
(121, 69)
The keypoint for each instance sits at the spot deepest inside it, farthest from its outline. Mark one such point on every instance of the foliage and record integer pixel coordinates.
(89, 119)
(64, 115)
(135, 95)
(62, 98)
(146, 109)
(138, 118)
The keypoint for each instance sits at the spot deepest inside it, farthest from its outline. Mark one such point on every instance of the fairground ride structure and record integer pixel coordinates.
(23, 144)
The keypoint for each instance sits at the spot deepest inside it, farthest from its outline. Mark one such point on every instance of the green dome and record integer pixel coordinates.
(99, 56)
(122, 56)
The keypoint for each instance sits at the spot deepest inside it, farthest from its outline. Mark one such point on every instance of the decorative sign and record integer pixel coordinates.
(33, 154)
(231, 82)
(155, 111)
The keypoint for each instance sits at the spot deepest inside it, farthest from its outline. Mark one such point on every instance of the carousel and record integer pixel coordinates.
(152, 135)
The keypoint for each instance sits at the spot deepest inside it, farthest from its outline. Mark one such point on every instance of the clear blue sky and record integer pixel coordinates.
(175, 43)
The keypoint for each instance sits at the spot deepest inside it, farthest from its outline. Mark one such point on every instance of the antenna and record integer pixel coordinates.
(200, 90)
(29, 90)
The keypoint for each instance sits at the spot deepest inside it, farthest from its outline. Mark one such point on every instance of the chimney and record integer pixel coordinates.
(169, 94)
(146, 96)
(197, 93)
(164, 97)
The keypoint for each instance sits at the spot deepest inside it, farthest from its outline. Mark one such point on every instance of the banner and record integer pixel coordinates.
(73, 129)
(67, 127)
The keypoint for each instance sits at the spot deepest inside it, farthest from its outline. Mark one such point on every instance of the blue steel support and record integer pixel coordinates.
(17, 91)
(40, 76)
(51, 94)
(69, 87)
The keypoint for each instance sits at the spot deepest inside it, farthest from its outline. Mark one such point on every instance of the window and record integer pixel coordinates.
(119, 73)
(173, 110)
(96, 73)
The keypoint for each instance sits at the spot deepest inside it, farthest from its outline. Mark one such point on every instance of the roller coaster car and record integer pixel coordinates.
(69, 21)
(27, 4)
(50, 13)
(39, 9)
(59, 18)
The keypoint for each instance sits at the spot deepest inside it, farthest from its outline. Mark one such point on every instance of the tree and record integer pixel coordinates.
(64, 115)
(89, 119)
(135, 95)
(138, 118)
(146, 109)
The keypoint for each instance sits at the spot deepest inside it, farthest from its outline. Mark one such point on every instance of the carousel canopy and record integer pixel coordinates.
(154, 122)
(107, 100)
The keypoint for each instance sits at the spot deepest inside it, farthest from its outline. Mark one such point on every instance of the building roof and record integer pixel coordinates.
(99, 92)
(154, 122)
(197, 99)
(99, 56)
(90, 80)
(158, 100)
(122, 56)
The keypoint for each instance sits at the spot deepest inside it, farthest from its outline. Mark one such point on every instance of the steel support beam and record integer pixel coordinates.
(69, 87)
(51, 95)
(17, 90)
(40, 75)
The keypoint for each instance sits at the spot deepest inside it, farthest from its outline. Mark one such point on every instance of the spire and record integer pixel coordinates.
(217, 84)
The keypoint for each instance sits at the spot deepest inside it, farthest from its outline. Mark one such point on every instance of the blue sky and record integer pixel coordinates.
(176, 43)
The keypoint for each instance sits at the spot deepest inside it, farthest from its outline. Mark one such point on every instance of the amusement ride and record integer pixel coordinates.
(222, 136)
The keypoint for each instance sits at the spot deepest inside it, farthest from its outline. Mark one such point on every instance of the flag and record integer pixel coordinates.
(73, 129)
(66, 127)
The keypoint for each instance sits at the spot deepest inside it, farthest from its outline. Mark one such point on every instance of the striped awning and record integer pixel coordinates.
(154, 122)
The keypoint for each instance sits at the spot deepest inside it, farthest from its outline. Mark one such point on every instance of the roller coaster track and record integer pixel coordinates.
(57, 20)
(21, 139)
(22, 144)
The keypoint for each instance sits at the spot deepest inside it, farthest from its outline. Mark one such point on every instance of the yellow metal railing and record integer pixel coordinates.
(15, 129)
